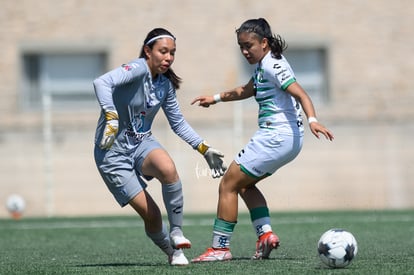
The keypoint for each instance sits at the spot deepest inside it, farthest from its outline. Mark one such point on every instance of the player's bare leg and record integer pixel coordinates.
(230, 186)
(252, 197)
(146, 207)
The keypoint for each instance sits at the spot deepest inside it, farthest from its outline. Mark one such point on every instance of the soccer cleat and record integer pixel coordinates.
(179, 241)
(177, 258)
(213, 254)
(266, 243)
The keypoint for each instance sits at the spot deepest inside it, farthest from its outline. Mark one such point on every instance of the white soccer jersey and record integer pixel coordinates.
(277, 108)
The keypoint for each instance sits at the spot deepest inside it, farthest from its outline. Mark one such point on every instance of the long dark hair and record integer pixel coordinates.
(175, 79)
(261, 28)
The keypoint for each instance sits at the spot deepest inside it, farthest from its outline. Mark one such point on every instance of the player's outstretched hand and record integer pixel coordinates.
(215, 161)
(204, 101)
(317, 128)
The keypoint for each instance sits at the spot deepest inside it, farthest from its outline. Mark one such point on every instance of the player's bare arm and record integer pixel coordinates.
(238, 93)
(302, 97)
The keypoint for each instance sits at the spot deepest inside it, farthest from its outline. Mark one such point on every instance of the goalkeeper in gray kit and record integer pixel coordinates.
(127, 154)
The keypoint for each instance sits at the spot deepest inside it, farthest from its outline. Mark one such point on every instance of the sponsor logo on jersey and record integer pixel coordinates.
(127, 67)
(257, 170)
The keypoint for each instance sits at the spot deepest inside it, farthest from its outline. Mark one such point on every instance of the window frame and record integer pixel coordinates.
(324, 96)
(302, 45)
(48, 49)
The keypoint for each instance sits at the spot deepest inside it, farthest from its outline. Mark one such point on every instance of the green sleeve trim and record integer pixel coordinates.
(284, 87)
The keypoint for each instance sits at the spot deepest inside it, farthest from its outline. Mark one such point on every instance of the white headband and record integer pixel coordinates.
(158, 37)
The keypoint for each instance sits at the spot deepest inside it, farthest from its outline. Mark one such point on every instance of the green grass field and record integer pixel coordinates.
(118, 245)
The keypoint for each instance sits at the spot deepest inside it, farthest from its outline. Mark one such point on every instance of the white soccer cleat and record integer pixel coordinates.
(179, 241)
(178, 258)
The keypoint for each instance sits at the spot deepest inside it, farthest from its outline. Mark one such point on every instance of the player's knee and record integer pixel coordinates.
(168, 174)
(228, 186)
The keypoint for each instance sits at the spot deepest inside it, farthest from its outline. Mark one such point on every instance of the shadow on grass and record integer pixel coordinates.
(152, 264)
(121, 264)
(162, 264)
(247, 259)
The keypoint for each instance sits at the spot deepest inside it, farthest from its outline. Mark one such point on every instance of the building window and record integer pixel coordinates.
(310, 67)
(66, 77)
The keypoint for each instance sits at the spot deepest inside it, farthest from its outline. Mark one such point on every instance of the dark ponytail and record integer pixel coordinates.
(175, 79)
(262, 29)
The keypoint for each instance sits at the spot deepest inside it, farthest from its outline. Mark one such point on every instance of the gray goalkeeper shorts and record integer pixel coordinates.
(121, 171)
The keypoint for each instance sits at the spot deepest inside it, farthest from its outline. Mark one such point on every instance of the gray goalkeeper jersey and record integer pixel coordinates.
(131, 91)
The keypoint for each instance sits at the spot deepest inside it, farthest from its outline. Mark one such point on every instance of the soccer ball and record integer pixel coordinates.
(337, 248)
(16, 205)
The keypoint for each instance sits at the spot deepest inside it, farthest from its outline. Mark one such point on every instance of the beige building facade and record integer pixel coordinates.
(354, 57)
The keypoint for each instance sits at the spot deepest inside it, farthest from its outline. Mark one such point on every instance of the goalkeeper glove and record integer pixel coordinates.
(111, 129)
(213, 158)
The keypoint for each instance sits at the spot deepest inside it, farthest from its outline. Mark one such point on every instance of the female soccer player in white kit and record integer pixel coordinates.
(277, 141)
(125, 150)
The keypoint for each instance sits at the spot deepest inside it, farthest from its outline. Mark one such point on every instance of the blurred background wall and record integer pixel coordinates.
(353, 57)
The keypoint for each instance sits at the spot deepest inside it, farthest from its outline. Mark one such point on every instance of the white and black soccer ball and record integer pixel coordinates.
(15, 204)
(337, 248)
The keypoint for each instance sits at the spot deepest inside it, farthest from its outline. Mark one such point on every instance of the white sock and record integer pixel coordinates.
(262, 226)
(222, 232)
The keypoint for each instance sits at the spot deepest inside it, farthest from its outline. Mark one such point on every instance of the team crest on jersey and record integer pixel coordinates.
(260, 75)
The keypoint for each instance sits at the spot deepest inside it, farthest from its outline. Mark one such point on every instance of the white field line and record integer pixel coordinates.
(22, 225)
